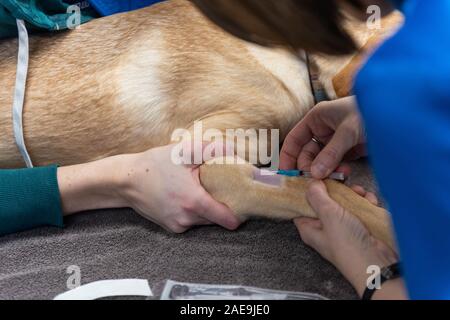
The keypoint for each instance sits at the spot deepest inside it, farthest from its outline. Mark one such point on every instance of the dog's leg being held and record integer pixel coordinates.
(251, 192)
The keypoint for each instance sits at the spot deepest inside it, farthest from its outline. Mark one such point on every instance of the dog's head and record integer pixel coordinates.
(334, 28)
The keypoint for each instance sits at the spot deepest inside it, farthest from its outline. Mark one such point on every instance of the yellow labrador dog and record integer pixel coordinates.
(124, 83)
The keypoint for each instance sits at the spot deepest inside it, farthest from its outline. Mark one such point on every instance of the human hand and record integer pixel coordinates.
(171, 195)
(338, 126)
(342, 239)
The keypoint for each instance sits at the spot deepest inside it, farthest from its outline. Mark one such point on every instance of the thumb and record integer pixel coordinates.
(332, 154)
(326, 208)
(311, 233)
(204, 151)
(217, 212)
(216, 149)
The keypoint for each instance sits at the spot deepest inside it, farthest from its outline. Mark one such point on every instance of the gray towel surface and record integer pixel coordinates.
(116, 244)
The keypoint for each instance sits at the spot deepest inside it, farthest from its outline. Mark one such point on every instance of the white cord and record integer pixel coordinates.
(19, 91)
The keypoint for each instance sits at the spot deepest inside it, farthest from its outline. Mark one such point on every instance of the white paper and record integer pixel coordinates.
(108, 288)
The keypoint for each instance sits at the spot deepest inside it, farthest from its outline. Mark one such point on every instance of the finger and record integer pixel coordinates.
(217, 212)
(344, 168)
(333, 153)
(216, 149)
(325, 207)
(187, 151)
(194, 153)
(359, 190)
(196, 220)
(370, 196)
(310, 235)
(307, 155)
(315, 223)
(203, 222)
(294, 143)
(373, 199)
(356, 153)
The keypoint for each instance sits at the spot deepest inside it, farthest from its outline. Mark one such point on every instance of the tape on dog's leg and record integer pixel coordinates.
(19, 91)
(267, 177)
(108, 288)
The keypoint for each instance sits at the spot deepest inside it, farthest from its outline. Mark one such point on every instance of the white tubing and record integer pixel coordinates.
(19, 91)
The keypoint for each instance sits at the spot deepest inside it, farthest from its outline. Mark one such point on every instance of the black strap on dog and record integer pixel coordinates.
(317, 88)
(388, 273)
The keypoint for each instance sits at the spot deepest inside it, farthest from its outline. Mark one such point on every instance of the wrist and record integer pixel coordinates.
(92, 186)
(114, 179)
(393, 289)
(124, 177)
(358, 279)
(364, 267)
(130, 181)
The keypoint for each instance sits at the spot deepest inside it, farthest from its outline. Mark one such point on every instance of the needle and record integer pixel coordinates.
(338, 176)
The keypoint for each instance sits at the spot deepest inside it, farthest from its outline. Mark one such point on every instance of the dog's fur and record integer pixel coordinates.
(124, 83)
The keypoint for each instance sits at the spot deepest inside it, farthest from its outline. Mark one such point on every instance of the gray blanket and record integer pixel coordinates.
(116, 244)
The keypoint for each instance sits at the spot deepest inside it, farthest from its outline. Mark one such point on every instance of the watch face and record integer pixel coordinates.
(391, 272)
(387, 273)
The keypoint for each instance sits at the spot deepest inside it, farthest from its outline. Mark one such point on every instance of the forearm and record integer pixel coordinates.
(92, 186)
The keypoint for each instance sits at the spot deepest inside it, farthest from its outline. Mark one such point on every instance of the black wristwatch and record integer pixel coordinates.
(387, 273)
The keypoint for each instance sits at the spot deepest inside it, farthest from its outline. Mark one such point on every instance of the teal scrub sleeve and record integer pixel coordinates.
(29, 198)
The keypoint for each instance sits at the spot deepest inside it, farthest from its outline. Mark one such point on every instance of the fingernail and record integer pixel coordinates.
(319, 170)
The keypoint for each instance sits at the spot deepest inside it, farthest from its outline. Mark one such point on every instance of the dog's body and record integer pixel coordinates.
(124, 83)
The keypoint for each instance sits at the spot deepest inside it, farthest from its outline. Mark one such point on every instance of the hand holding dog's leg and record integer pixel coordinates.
(150, 183)
(344, 241)
(171, 194)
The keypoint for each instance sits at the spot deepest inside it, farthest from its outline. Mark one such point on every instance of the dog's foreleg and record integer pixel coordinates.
(248, 193)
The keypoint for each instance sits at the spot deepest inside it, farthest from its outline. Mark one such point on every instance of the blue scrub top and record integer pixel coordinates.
(404, 96)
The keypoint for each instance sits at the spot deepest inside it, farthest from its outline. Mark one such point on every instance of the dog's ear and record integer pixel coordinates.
(344, 80)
